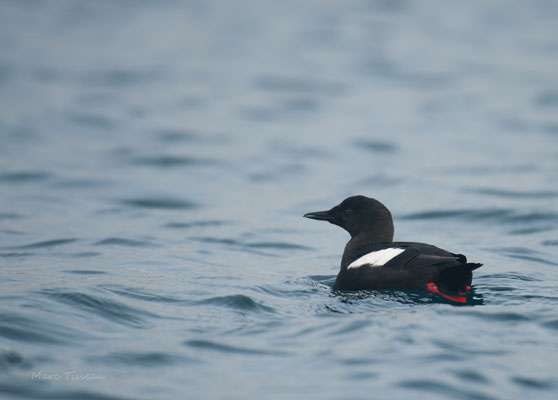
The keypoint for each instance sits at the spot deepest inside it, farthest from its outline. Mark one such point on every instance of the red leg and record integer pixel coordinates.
(432, 287)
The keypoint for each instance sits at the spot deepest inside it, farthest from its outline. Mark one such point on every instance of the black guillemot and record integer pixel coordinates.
(373, 261)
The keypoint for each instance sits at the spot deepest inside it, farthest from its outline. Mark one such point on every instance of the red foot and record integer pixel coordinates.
(434, 289)
(467, 291)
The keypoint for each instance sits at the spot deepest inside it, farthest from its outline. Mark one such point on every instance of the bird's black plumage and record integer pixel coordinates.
(372, 260)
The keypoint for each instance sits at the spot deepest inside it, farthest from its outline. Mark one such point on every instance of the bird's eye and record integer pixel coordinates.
(348, 212)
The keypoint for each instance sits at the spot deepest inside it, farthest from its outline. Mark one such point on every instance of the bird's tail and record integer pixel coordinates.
(473, 266)
(457, 277)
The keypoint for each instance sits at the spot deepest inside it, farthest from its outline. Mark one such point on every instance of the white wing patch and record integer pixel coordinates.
(376, 258)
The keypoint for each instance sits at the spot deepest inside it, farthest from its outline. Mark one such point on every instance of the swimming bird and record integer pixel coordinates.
(373, 261)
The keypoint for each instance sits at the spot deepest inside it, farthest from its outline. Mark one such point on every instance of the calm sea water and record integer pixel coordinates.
(156, 158)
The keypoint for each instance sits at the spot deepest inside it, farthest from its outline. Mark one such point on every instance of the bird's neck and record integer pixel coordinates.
(358, 242)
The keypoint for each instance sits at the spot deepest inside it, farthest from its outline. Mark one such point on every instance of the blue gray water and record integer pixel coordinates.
(156, 158)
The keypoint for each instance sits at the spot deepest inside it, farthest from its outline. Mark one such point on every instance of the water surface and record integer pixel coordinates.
(156, 159)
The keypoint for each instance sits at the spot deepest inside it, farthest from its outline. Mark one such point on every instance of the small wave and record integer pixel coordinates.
(16, 254)
(379, 180)
(459, 214)
(176, 135)
(116, 241)
(22, 328)
(516, 194)
(552, 324)
(471, 376)
(531, 230)
(119, 77)
(237, 301)
(351, 327)
(226, 241)
(532, 383)
(93, 121)
(547, 99)
(193, 224)
(82, 183)
(22, 390)
(86, 254)
(169, 161)
(512, 275)
(327, 280)
(503, 316)
(102, 306)
(161, 203)
(376, 146)
(43, 244)
(226, 348)
(501, 215)
(10, 216)
(277, 245)
(275, 83)
(438, 387)
(24, 176)
(10, 358)
(535, 259)
(145, 296)
(523, 253)
(134, 359)
(301, 104)
(84, 272)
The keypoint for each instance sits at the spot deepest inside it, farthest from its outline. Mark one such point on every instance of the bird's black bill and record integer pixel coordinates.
(320, 216)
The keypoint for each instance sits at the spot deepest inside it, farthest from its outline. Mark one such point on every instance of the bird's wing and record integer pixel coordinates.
(404, 256)
(420, 255)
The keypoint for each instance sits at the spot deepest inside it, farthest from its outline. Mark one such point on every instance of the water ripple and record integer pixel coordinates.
(10, 216)
(552, 324)
(237, 301)
(161, 203)
(439, 387)
(16, 254)
(111, 310)
(25, 391)
(10, 358)
(170, 161)
(543, 194)
(36, 329)
(93, 121)
(502, 215)
(253, 245)
(193, 224)
(24, 176)
(376, 146)
(85, 272)
(43, 244)
(118, 77)
(513, 276)
(503, 316)
(116, 241)
(532, 383)
(523, 253)
(226, 241)
(226, 348)
(146, 296)
(278, 245)
(176, 135)
(275, 83)
(471, 376)
(139, 359)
